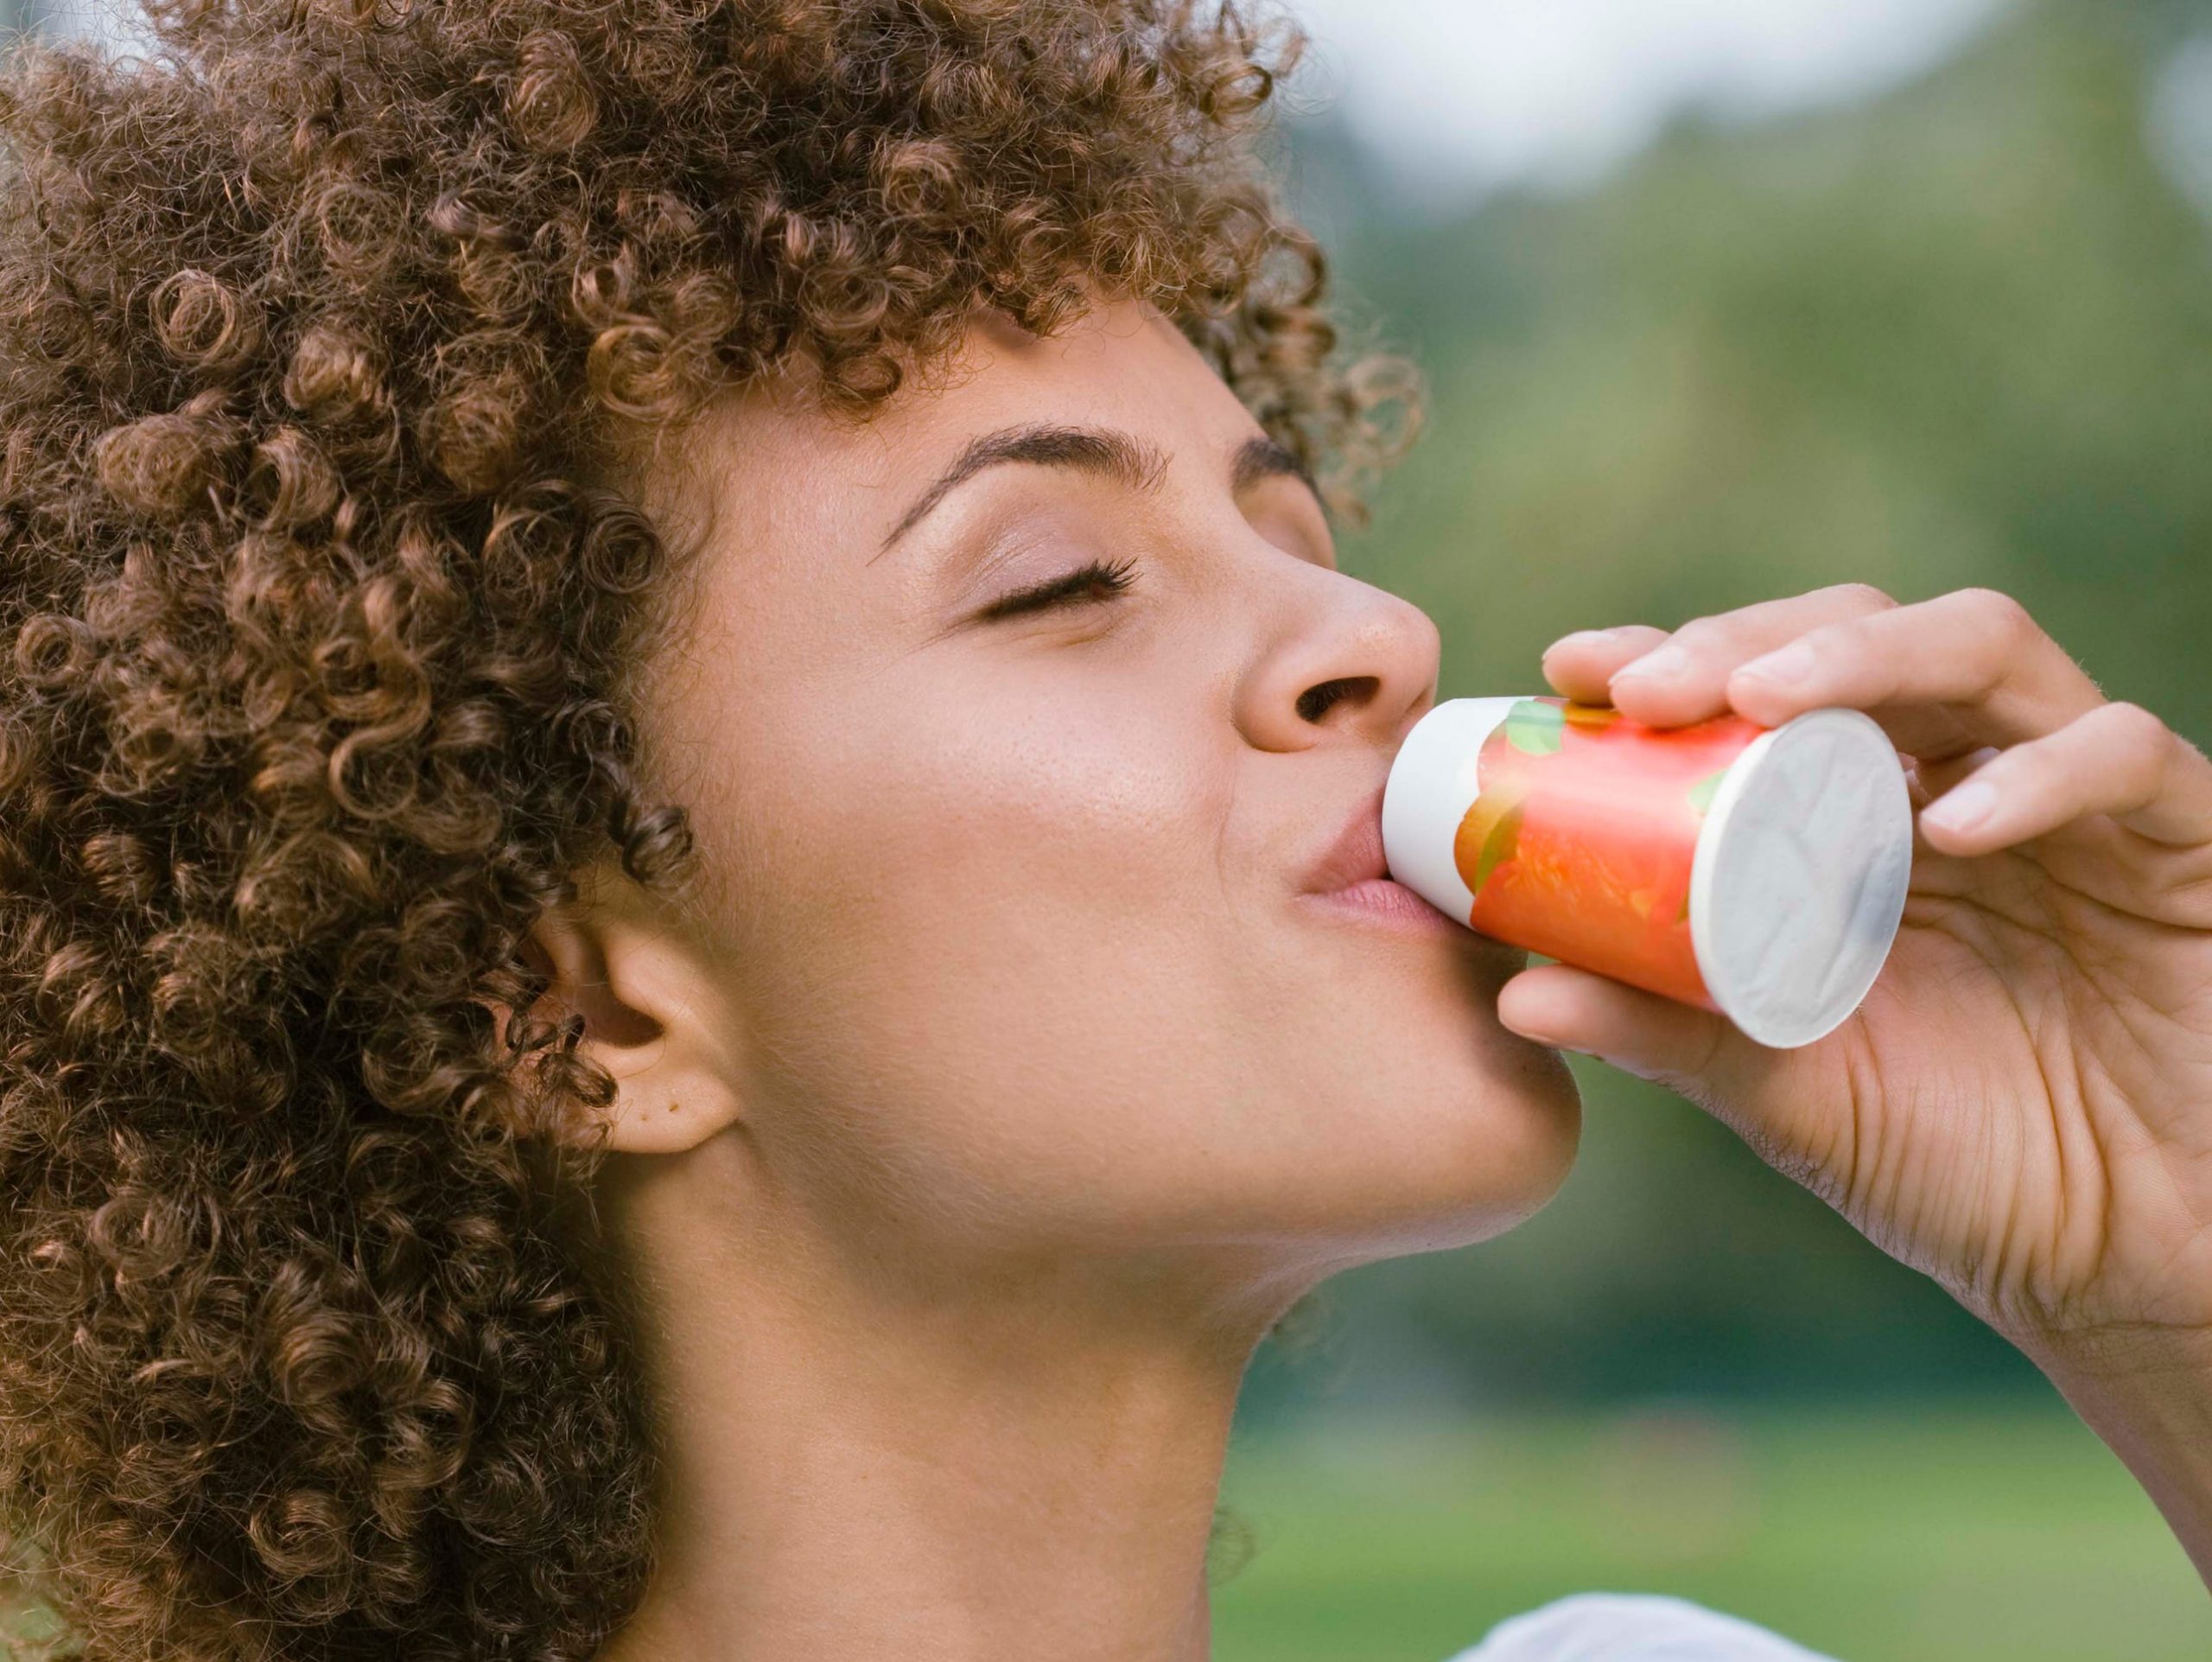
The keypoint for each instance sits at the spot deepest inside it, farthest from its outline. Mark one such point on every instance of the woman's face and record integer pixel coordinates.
(1022, 935)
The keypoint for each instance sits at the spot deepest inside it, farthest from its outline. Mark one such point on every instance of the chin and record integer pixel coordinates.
(1470, 1171)
(1421, 1154)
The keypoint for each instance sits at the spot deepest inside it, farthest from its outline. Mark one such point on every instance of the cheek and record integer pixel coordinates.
(956, 820)
(987, 915)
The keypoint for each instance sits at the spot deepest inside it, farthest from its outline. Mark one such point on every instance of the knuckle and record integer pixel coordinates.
(1997, 611)
(1865, 597)
(1700, 633)
(2135, 732)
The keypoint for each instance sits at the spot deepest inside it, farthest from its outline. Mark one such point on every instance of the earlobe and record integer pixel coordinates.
(653, 1018)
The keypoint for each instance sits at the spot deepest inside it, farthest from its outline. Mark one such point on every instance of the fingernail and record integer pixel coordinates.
(1579, 638)
(1549, 1041)
(1963, 808)
(1663, 660)
(1790, 664)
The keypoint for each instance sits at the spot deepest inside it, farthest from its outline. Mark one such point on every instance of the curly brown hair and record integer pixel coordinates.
(328, 331)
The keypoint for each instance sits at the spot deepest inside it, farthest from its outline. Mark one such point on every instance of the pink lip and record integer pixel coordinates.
(1355, 855)
(1386, 901)
(1353, 876)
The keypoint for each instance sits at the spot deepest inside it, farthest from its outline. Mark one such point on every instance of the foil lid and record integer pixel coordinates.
(1801, 876)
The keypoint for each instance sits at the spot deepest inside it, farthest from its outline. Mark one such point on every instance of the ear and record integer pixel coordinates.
(655, 1016)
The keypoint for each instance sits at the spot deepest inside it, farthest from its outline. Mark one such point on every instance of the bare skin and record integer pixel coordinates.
(1017, 1071)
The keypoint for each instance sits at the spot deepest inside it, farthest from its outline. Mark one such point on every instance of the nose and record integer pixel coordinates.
(1346, 660)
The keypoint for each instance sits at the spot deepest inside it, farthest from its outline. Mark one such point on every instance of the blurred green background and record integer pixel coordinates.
(1959, 332)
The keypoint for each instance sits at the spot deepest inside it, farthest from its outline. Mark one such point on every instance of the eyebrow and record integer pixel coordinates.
(1104, 451)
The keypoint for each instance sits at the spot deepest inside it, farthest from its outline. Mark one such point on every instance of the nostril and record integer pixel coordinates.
(1324, 695)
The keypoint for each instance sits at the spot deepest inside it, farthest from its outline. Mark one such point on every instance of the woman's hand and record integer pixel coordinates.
(2022, 1106)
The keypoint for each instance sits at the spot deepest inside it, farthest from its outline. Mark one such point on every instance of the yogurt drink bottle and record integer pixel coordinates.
(1754, 871)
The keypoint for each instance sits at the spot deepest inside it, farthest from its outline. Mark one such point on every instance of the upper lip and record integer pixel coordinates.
(1355, 854)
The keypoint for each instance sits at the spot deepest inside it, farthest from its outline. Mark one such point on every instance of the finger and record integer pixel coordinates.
(1579, 665)
(2119, 760)
(2000, 679)
(1930, 777)
(1686, 680)
(1691, 1052)
(1925, 781)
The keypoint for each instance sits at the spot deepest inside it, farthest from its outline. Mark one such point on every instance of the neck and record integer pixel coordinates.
(975, 1463)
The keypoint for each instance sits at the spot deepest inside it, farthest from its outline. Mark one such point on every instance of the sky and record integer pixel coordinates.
(1549, 94)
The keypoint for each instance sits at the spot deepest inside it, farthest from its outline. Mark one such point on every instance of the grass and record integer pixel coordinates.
(1894, 1536)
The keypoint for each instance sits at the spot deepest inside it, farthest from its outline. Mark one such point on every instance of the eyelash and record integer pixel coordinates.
(1074, 586)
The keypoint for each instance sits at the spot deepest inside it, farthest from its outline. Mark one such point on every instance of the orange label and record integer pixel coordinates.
(1580, 843)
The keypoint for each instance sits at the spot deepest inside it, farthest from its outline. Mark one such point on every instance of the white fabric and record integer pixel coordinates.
(1631, 1628)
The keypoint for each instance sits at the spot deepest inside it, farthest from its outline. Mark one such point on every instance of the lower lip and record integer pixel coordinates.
(1378, 899)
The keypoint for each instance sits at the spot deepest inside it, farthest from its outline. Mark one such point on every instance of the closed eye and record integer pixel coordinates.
(1098, 580)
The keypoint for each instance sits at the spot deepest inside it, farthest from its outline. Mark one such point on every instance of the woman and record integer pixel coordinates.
(695, 932)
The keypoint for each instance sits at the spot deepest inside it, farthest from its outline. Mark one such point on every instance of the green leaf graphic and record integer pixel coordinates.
(1704, 790)
(1504, 837)
(1533, 728)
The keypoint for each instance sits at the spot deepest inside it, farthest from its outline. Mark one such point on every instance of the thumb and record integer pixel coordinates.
(1691, 1052)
